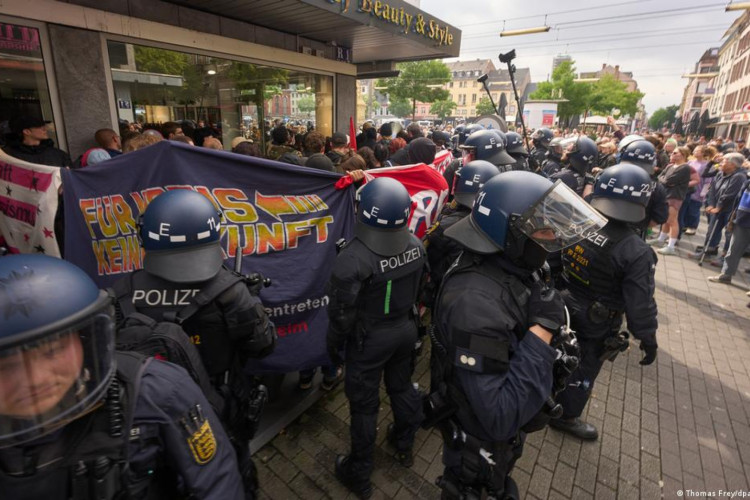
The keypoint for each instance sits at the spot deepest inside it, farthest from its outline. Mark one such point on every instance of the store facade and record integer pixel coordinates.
(84, 65)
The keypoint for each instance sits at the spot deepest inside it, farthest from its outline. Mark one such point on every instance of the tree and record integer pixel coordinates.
(443, 108)
(564, 86)
(609, 93)
(663, 115)
(166, 62)
(485, 107)
(418, 81)
(306, 104)
(399, 107)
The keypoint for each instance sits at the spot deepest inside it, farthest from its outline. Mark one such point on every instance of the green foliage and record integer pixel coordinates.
(662, 115)
(399, 107)
(608, 93)
(306, 104)
(166, 62)
(416, 81)
(265, 81)
(484, 107)
(563, 86)
(443, 108)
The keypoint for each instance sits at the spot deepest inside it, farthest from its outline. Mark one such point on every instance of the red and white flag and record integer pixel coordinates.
(442, 160)
(427, 188)
(28, 203)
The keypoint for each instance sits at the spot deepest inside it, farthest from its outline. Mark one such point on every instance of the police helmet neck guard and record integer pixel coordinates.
(622, 192)
(383, 216)
(56, 346)
(469, 180)
(641, 153)
(180, 232)
(517, 207)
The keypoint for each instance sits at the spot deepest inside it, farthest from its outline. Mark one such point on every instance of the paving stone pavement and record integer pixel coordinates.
(678, 427)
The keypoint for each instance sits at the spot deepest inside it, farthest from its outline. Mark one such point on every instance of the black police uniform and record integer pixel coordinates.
(501, 375)
(372, 307)
(449, 174)
(537, 157)
(175, 439)
(609, 273)
(235, 322)
(550, 166)
(441, 250)
(570, 178)
(522, 162)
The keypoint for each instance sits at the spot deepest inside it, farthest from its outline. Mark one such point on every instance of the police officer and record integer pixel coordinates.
(488, 145)
(552, 162)
(462, 155)
(441, 250)
(79, 421)
(609, 273)
(580, 157)
(373, 290)
(541, 139)
(180, 233)
(492, 362)
(638, 151)
(514, 146)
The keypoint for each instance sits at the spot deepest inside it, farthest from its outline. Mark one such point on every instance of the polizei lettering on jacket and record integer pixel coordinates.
(399, 260)
(597, 239)
(163, 297)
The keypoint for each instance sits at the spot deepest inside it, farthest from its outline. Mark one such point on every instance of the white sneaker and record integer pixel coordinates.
(667, 251)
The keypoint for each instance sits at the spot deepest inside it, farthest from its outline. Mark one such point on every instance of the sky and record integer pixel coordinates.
(657, 40)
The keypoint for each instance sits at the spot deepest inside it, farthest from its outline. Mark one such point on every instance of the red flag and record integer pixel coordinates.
(427, 188)
(352, 134)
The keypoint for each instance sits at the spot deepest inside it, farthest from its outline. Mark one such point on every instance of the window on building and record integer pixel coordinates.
(235, 95)
(23, 81)
(473, 98)
(450, 85)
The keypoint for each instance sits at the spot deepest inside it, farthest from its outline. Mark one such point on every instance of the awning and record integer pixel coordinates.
(383, 30)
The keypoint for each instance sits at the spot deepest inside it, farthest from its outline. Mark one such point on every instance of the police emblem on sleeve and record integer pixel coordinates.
(200, 436)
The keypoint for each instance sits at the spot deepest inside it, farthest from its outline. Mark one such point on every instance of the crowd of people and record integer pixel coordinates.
(507, 257)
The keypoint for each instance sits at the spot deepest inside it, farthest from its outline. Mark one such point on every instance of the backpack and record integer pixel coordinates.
(166, 340)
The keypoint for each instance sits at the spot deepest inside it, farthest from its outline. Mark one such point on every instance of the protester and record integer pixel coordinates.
(675, 178)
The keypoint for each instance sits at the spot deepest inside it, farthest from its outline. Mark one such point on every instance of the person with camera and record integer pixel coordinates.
(183, 271)
(372, 316)
(81, 421)
(608, 274)
(492, 362)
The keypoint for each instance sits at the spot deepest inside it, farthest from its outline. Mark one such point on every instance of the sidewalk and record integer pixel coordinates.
(679, 425)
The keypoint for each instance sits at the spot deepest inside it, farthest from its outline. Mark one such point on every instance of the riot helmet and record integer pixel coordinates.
(628, 139)
(470, 178)
(440, 138)
(460, 133)
(489, 145)
(542, 137)
(468, 130)
(581, 153)
(56, 346)
(641, 153)
(180, 232)
(514, 144)
(555, 149)
(383, 216)
(525, 216)
(622, 192)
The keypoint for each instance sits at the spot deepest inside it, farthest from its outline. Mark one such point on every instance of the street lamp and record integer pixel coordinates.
(526, 31)
(737, 6)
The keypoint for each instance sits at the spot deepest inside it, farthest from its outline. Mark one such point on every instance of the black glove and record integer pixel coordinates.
(546, 308)
(333, 346)
(255, 283)
(649, 351)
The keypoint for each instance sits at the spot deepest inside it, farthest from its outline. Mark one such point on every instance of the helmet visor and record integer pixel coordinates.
(559, 219)
(46, 383)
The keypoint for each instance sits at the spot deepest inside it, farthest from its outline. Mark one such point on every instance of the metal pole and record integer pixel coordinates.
(511, 72)
(487, 89)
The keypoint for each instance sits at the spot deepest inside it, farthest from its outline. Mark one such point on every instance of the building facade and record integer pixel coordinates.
(85, 64)
(730, 103)
(698, 88)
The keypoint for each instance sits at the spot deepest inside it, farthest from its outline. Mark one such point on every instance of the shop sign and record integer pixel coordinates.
(415, 23)
(21, 38)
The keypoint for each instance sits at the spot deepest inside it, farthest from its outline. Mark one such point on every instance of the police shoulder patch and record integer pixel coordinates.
(200, 437)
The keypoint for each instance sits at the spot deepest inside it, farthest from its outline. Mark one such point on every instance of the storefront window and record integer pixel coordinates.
(23, 84)
(222, 97)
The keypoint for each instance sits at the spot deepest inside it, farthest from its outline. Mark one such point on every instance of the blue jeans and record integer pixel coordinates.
(714, 233)
(690, 214)
(739, 242)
